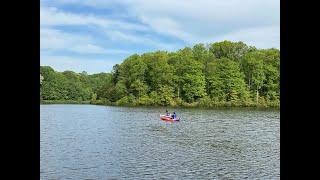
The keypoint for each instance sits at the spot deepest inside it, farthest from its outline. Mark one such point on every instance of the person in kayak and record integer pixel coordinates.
(174, 115)
(167, 113)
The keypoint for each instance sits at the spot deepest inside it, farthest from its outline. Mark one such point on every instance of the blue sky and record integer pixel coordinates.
(94, 35)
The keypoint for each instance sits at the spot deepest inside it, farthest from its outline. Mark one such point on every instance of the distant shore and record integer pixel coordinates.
(193, 105)
(63, 102)
(220, 74)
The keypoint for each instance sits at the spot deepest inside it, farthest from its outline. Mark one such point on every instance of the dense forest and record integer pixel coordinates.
(217, 74)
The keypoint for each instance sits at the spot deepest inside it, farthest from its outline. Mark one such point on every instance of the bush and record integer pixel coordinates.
(178, 101)
(275, 103)
(99, 102)
(144, 101)
(205, 102)
(193, 104)
(123, 101)
(262, 102)
(126, 101)
(165, 95)
(93, 98)
(154, 98)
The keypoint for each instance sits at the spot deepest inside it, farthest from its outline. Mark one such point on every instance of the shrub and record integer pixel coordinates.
(126, 101)
(144, 101)
(205, 102)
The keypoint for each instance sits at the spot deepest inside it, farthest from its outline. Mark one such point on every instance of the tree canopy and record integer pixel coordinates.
(216, 74)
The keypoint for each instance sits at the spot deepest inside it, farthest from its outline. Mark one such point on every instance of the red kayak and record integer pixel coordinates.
(168, 118)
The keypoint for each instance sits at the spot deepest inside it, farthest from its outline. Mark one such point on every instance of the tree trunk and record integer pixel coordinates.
(257, 96)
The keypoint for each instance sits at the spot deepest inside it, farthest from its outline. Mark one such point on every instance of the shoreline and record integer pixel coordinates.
(222, 106)
(63, 102)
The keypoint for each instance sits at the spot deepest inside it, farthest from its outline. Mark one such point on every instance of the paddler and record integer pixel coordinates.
(167, 113)
(174, 115)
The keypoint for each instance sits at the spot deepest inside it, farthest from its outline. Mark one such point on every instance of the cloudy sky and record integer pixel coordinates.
(93, 35)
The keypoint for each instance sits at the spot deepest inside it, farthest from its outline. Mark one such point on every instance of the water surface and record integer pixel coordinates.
(99, 142)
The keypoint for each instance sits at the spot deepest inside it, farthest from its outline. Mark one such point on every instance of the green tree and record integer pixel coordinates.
(230, 50)
(115, 73)
(225, 81)
(253, 67)
(165, 95)
(215, 74)
(41, 79)
(271, 85)
(138, 88)
(98, 82)
(214, 83)
(192, 80)
(53, 84)
(200, 53)
(159, 72)
(131, 69)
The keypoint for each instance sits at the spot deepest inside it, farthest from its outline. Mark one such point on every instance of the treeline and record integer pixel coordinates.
(68, 86)
(218, 74)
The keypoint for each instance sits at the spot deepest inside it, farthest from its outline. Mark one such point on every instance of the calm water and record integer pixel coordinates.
(98, 142)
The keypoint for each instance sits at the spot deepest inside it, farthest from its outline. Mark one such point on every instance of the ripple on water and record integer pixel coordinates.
(97, 142)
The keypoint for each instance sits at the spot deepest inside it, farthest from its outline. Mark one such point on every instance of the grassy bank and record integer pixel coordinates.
(200, 104)
(63, 102)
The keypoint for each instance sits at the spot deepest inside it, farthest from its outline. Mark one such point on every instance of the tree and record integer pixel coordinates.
(253, 67)
(214, 83)
(225, 81)
(131, 69)
(200, 53)
(115, 73)
(41, 79)
(159, 72)
(99, 81)
(210, 74)
(272, 68)
(52, 86)
(138, 88)
(230, 50)
(114, 92)
(165, 95)
(191, 78)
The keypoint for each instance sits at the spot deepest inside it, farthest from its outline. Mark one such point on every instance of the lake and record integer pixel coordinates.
(103, 142)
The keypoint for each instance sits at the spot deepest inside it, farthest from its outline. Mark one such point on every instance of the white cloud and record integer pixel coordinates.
(256, 23)
(54, 40)
(91, 3)
(167, 26)
(262, 37)
(116, 31)
(140, 39)
(51, 16)
(89, 48)
(198, 20)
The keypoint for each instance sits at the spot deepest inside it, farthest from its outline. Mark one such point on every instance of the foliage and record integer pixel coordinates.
(208, 75)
